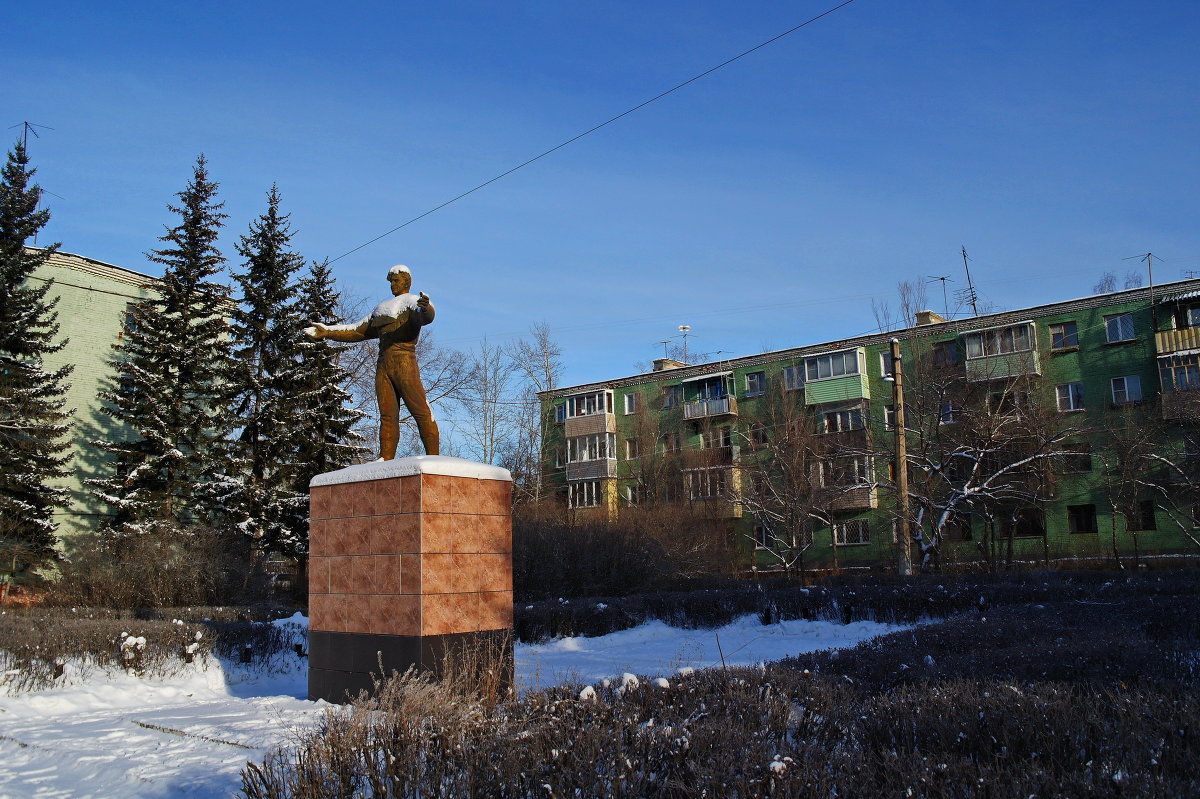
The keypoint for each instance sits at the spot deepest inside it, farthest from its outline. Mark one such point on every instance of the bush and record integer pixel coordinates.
(172, 567)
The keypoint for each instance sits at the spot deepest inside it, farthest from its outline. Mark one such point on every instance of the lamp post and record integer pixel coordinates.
(903, 534)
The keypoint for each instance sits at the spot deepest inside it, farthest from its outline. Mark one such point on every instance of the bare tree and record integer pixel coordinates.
(1106, 284)
(537, 362)
(489, 404)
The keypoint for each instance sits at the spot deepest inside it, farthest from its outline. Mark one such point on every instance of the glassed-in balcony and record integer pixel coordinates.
(709, 408)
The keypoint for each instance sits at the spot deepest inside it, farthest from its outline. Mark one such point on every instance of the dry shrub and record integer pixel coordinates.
(172, 566)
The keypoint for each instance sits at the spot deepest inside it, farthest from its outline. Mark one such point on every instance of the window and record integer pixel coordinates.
(1077, 459)
(847, 470)
(999, 341)
(885, 364)
(889, 417)
(1070, 397)
(1081, 518)
(1023, 523)
(635, 494)
(716, 438)
(560, 413)
(948, 413)
(589, 404)
(1180, 372)
(591, 448)
(670, 442)
(838, 364)
(631, 404)
(945, 353)
(633, 448)
(1064, 335)
(1192, 316)
(842, 421)
(1144, 517)
(793, 378)
(1126, 390)
(758, 434)
(756, 383)
(672, 397)
(1118, 327)
(707, 483)
(585, 494)
(855, 531)
(560, 458)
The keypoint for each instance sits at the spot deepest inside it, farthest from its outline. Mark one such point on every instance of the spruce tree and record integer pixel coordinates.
(33, 418)
(172, 368)
(265, 502)
(324, 411)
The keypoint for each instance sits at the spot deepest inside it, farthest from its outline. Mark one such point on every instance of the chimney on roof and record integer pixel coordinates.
(929, 318)
(663, 364)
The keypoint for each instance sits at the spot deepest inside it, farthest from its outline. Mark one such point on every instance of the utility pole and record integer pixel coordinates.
(968, 294)
(903, 534)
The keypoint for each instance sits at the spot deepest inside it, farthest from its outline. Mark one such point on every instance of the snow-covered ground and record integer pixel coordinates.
(114, 735)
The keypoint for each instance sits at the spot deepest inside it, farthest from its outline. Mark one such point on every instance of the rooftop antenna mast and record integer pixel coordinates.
(685, 329)
(27, 128)
(968, 294)
(665, 342)
(1148, 258)
(945, 298)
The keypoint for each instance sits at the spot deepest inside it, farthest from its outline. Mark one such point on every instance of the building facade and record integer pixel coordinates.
(1062, 431)
(93, 300)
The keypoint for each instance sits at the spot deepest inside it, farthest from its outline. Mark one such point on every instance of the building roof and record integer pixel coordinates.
(1176, 289)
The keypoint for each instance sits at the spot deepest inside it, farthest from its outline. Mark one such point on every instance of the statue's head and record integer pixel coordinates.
(400, 278)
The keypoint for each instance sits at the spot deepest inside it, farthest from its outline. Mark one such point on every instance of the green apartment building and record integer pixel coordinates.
(93, 298)
(1064, 431)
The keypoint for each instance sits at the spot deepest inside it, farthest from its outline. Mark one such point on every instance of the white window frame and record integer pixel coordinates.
(793, 377)
(833, 365)
(592, 447)
(889, 417)
(1070, 397)
(1119, 327)
(584, 494)
(1129, 391)
(633, 449)
(847, 420)
(592, 403)
(857, 529)
(756, 384)
(708, 483)
(999, 341)
(672, 397)
(560, 413)
(635, 494)
(885, 365)
(632, 404)
(859, 470)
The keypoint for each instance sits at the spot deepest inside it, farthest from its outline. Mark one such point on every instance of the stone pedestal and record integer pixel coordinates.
(409, 561)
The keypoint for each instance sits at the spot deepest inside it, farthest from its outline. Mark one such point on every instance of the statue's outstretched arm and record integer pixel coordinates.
(350, 333)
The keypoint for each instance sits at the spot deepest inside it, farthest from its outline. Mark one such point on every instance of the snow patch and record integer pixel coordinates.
(407, 467)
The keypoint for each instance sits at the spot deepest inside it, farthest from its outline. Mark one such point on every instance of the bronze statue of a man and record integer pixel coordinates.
(396, 323)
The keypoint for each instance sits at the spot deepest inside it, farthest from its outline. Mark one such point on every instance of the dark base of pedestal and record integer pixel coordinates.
(342, 665)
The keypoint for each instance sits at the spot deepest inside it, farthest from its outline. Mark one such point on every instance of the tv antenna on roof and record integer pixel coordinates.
(28, 127)
(968, 294)
(945, 299)
(685, 329)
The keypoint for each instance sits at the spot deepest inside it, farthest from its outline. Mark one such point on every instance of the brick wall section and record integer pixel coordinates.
(421, 555)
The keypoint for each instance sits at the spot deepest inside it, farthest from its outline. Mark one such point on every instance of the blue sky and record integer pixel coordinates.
(765, 205)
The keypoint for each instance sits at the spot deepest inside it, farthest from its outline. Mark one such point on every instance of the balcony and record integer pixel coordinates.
(708, 408)
(1167, 342)
(587, 425)
(710, 457)
(592, 470)
(1003, 366)
(859, 498)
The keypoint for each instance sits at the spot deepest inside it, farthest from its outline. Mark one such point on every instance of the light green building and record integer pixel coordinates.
(93, 298)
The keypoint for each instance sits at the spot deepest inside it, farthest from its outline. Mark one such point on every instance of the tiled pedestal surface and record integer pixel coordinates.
(408, 560)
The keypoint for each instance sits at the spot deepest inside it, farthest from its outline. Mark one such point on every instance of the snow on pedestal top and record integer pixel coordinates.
(407, 467)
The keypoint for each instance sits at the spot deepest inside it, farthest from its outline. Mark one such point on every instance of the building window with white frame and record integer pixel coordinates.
(842, 421)
(560, 413)
(793, 378)
(756, 384)
(999, 341)
(1180, 372)
(851, 532)
(886, 368)
(1070, 397)
(1126, 390)
(1118, 327)
(827, 367)
(846, 470)
(584, 494)
(635, 493)
(631, 404)
(589, 404)
(672, 397)
(707, 483)
(596, 446)
(633, 448)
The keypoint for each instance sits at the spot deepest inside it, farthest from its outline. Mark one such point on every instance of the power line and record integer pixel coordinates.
(605, 123)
